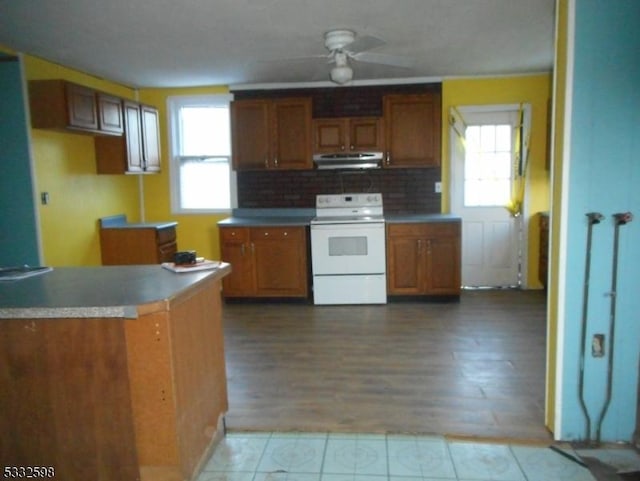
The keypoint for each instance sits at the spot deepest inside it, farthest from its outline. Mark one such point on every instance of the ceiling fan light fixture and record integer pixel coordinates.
(341, 74)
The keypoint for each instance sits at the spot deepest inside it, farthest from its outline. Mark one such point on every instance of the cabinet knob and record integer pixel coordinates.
(275, 161)
(266, 233)
(266, 162)
(352, 147)
(388, 158)
(286, 233)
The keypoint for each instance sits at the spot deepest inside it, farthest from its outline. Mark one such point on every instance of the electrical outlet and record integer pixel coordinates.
(597, 345)
(44, 198)
(438, 187)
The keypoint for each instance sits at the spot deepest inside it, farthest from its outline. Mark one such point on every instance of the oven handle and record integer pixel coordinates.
(342, 226)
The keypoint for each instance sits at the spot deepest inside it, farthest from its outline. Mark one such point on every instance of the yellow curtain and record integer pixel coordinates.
(521, 160)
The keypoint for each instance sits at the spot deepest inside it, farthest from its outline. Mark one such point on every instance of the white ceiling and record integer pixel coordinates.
(179, 43)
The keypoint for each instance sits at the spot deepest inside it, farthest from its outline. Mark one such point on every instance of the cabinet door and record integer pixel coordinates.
(443, 272)
(250, 132)
(81, 107)
(236, 251)
(280, 261)
(133, 137)
(330, 135)
(150, 126)
(443, 258)
(110, 118)
(405, 272)
(412, 130)
(365, 134)
(291, 135)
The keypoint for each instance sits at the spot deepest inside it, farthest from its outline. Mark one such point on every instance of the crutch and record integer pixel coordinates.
(619, 220)
(592, 219)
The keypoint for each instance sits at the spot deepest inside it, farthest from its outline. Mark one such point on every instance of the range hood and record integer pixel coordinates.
(348, 160)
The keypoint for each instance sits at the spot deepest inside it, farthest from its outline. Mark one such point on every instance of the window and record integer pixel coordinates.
(487, 167)
(201, 176)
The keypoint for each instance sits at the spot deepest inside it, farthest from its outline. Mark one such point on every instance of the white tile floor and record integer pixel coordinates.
(363, 457)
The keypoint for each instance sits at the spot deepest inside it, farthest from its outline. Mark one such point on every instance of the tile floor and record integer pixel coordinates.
(361, 457)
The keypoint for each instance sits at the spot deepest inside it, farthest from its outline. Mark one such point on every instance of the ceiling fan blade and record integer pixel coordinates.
(360, 44)
(385, 59)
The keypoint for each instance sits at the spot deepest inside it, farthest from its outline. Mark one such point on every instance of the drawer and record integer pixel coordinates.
(240, 234)
(401, 230)
(425, 230)
(166, 235)
(443, 229)
(282, 233)
(166, 252)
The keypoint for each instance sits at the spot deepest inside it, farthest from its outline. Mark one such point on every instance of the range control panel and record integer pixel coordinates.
(325, 201)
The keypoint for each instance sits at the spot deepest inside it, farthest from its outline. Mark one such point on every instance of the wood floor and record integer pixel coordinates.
(473, 368)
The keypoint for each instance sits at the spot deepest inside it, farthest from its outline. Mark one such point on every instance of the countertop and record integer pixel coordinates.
(301, 217)
(120, 222)
(95, 292)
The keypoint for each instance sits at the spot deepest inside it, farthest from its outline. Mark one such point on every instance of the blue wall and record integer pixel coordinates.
(604, 176)
(18, 231)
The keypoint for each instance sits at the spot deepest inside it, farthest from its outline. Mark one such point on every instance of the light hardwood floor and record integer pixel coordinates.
(472, 369)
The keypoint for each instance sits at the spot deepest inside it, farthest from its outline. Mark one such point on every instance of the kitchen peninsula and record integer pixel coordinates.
(112, 372)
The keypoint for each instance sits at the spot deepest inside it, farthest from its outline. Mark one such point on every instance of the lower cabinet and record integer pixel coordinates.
(266, 261)
(423, 259)
(137, 245)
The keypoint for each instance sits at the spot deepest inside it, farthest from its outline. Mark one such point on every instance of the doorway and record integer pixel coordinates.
(484, 163)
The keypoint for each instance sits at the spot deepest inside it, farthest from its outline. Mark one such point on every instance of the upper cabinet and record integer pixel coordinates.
(138, 150)
(271, 134)
(62, 105)
(351, 134)
(412, 130)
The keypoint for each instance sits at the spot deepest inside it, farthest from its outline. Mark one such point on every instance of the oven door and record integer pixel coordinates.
(357, 248)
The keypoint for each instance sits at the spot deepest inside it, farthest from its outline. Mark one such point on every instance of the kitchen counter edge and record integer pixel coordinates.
(97, 292)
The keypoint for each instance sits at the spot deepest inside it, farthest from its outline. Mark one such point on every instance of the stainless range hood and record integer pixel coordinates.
(348, 160)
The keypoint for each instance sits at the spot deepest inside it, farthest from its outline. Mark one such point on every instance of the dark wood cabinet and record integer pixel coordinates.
(62, 105)
(271, 134)
(266, 261)
(423, 259)
(347, 134)
(110, 117)
(138, 245)
(138, 150)
(412, 125)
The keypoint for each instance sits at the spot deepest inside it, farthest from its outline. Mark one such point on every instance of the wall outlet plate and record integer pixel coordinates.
(438, 187)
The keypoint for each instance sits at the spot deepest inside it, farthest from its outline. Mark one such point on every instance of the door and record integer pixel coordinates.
(482, 153)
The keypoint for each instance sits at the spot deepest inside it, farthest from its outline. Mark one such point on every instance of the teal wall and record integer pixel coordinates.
(604, 176)
(18, 227)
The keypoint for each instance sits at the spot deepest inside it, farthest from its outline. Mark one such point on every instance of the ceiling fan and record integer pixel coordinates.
(344, 46)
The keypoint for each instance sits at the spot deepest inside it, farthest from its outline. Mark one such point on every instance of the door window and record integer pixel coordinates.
(487, 166)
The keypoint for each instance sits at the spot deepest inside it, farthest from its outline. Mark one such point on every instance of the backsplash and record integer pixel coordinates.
(404, 191)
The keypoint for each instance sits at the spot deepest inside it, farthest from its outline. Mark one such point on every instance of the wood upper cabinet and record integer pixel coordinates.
(271, 134)
(423, 258)
(138, 150)
(266, 261)
(62, 105)
(347, 134)
(412, 126)
(110, 118)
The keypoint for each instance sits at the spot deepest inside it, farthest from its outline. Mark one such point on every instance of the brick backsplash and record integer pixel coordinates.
(404, 191)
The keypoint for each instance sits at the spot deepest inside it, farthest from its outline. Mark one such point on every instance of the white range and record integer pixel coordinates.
(348, 249)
